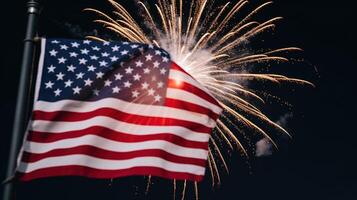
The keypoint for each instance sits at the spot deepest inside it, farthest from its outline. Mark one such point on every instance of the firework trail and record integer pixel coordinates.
(204, 39)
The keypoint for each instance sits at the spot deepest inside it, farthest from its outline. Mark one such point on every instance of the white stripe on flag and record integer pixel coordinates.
(105, 164)
(119, 126)
(123, 106)
(110, 145)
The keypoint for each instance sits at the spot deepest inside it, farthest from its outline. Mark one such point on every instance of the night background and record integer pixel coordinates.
(318, 163)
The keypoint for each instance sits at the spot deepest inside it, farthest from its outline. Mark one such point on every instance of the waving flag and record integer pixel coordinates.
(113, 109)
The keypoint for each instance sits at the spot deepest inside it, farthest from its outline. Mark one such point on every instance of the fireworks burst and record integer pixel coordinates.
(204, 41)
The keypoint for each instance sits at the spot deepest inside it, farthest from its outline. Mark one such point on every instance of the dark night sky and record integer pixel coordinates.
(319, 163)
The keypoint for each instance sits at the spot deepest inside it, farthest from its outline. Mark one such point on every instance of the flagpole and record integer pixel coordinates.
(19, 125)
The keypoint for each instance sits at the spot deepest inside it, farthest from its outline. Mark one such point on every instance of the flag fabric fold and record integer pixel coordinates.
(114, 109)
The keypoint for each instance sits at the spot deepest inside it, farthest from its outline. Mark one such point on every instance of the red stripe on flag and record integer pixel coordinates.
(175, 103)
(105, 154)
(120, 116)
(178, 68)
(42, 137)
(192, 89)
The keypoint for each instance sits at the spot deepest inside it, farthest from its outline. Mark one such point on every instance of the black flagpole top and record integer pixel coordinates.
(33, 6)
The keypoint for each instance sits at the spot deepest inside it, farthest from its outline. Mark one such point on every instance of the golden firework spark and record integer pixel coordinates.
(204, 41)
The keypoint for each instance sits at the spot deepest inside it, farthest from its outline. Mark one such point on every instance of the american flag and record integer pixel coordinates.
(114, 109)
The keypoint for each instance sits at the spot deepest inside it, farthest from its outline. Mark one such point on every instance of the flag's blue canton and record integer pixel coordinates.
(90, 70)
